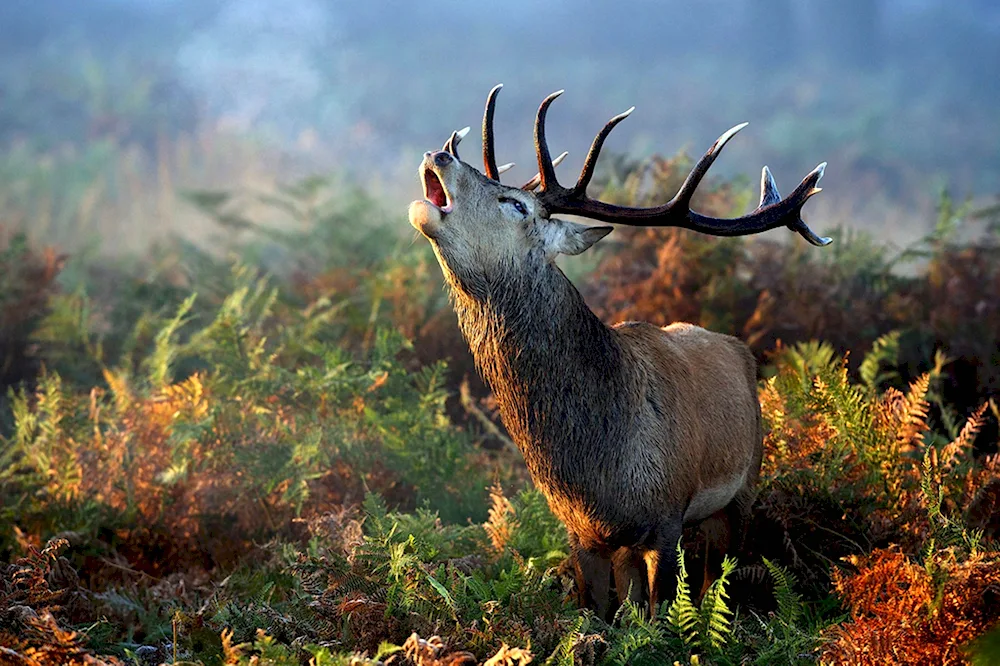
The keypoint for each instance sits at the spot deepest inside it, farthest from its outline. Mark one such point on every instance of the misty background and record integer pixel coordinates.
(109, 108)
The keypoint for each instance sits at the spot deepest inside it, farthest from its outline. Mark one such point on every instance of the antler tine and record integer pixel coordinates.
(595, 150)
(536, 180)
(806, 189)
(546, 170)
(769, 196)
(768, 189)
(489, 149)
(451, 145)
(683, 196)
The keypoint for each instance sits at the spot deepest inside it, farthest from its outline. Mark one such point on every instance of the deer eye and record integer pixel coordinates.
(521, 209)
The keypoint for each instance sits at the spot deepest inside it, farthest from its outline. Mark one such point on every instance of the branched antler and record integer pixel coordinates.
(772, 212)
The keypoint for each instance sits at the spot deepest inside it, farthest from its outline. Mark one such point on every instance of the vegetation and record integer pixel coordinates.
(264, 458)
(263, 440)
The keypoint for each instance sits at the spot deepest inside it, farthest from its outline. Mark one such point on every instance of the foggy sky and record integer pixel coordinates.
(895, 86)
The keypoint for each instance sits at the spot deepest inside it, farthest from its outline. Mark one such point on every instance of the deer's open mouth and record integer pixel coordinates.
(434, 191)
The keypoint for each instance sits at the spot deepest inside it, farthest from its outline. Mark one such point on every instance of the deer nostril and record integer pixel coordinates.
(442, 158)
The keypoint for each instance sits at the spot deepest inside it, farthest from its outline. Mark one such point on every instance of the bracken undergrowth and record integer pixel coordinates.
(264, 459)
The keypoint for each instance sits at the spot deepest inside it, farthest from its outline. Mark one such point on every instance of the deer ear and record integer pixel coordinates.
(572, 237)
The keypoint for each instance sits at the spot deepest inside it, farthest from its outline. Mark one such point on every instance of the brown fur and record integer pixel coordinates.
(624, 429)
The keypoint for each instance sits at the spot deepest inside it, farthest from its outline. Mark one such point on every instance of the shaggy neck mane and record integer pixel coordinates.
(550, 361)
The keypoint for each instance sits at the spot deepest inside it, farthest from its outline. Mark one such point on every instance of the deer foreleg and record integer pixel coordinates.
(593, 579)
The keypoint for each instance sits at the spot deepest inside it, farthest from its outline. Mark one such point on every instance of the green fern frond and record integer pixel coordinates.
(945, 530)
(449, 600)
(563, 654)
(159, 364)
(682, 615)
(814, 358)
(930, 489)
(879, 364)
(640, 640)
(790, 607)
(715, 616)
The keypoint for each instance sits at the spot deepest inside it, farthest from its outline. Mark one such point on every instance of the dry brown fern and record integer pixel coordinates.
(434, 652)
(508, 656)
(502, 519)
(913, 416)
(949, 456)
(906, 613)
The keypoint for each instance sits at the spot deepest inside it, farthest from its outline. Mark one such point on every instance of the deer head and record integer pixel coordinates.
(475, 222)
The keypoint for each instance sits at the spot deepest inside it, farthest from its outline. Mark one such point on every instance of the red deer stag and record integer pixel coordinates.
(631, 431)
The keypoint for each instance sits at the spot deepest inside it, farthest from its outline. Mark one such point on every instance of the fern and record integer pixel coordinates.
(165, 351)
(502, 519)
(948, 417)
(884, 354)
(945, 530)
(714, 614)
(800, 365)
(708, 626)
(790, 607)
(563, 654)
(683, 616)
(446, 596)
(913, 421)
(951, 455)
(537, 535)
(640, 639)
(788, 636)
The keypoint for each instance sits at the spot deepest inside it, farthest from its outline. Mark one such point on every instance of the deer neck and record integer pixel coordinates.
(555, 368)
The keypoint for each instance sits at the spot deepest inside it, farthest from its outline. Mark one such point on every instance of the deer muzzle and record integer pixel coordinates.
(432, 172)
(426, 215)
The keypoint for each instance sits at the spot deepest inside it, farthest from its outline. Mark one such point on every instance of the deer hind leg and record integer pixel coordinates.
(716, 533)
(593, 579)
(630, 579)
(738, 514)
(661, 564)
(725, 532)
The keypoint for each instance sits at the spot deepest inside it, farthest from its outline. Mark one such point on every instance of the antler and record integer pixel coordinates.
(772, 212)
(490, 167)
(451, 145)
(489, 151)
